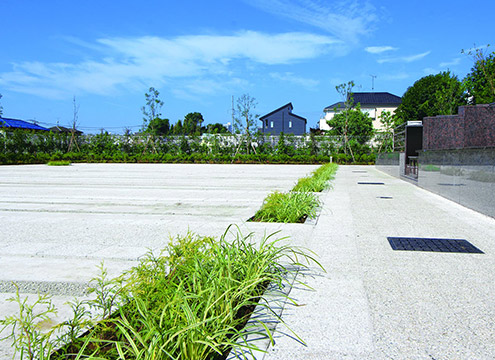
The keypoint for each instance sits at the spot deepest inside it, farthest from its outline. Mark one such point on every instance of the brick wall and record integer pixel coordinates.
(472, 127)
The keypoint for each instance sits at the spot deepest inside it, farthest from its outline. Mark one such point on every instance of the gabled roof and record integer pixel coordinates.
(338, 105)
(277, 110)
(62, 129)
(281, 108)
(376, 98)
(19, 124)
(370, 98)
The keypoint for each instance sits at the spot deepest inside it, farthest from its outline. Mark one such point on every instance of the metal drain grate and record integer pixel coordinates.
(360, 171)
(432, 244)
(370, 183)
(384, 197)
(448, 184)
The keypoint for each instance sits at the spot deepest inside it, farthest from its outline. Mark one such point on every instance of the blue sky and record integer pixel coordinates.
(199, 54)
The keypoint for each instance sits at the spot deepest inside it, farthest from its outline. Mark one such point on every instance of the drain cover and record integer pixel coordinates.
(448, 184)
(384, 197)
(432, 244)
(370, 183)
(359, 171)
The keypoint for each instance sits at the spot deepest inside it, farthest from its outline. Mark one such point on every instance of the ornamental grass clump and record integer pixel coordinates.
(192, 301)
(318, 181)
(59, 163)
(291, 207)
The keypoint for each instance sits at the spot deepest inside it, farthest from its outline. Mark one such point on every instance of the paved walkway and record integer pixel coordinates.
(376, 303)
(371, 303)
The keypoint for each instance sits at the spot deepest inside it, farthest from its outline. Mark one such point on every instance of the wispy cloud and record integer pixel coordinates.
(346, 20)
(379, 49)
(453, 62)
(404, 59)
(133, 62)
(309, 84)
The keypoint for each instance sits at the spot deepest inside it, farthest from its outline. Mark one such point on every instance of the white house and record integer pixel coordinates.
(373, 103)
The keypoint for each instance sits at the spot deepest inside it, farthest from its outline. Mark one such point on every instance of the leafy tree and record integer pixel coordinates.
(386, 136)
(245, 120)
(192, 123)
(151, 110)
(354, 123)
(216, 128)
(159, 127)
(345, 91)
(480, 82)
(177, 129)
(432, 95)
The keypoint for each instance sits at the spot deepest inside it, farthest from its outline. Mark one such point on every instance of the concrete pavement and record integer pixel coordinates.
(376, 303)
(58, 223)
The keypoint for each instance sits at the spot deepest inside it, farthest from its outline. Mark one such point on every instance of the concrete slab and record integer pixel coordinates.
(370, 303)
(59, 223)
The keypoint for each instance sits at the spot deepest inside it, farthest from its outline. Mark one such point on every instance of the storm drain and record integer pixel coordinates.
(448, 184)
(433, 244)
(370, 183)
(360, 171)
(384, 197)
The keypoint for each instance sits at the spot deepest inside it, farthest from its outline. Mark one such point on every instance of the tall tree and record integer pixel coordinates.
(152, 108)
(245, 119)
(480, 82)
(159, 127)
(345, 91)
(353, 123)
(192, 123)
(432, 95)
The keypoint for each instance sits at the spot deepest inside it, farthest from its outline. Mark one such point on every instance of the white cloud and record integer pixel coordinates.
(346, 20)
(379, 49)
(404, 59)
(454, 62)
(393, 77)
(309, 84)
(134, 62)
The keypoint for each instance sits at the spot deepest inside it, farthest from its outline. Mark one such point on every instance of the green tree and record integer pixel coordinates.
(480, 82)
(358, 126)
(177, 129)
(386, 136)
(345, 91)
(193, 123)
(432, 95)
(159, 127)
(151, 110)
(245, 119)
(216, 128)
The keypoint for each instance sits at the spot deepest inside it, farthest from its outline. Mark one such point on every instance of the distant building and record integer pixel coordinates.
(373, 103)
(283, 120)
(12, 124)
(62, 129)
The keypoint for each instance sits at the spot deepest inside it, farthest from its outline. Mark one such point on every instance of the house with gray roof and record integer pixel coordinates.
(373, 103)
(283, 120)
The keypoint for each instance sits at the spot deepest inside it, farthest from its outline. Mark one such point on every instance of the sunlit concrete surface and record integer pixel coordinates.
(371, 302)
(59, 223)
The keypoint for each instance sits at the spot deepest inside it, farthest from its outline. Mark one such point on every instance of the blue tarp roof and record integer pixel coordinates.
(19, 124)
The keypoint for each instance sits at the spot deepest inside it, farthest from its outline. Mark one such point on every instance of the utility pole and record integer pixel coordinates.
(373, 77)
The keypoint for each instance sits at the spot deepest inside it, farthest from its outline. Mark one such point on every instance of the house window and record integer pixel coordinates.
(290, 124)
(266, 122)
(271, 124)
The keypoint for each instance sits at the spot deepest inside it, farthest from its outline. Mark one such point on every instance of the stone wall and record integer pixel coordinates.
(472, 127)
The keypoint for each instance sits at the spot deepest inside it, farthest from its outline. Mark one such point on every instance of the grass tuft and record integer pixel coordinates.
(58, 163)
(291, 207)
(191, 301)
(319, 179)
